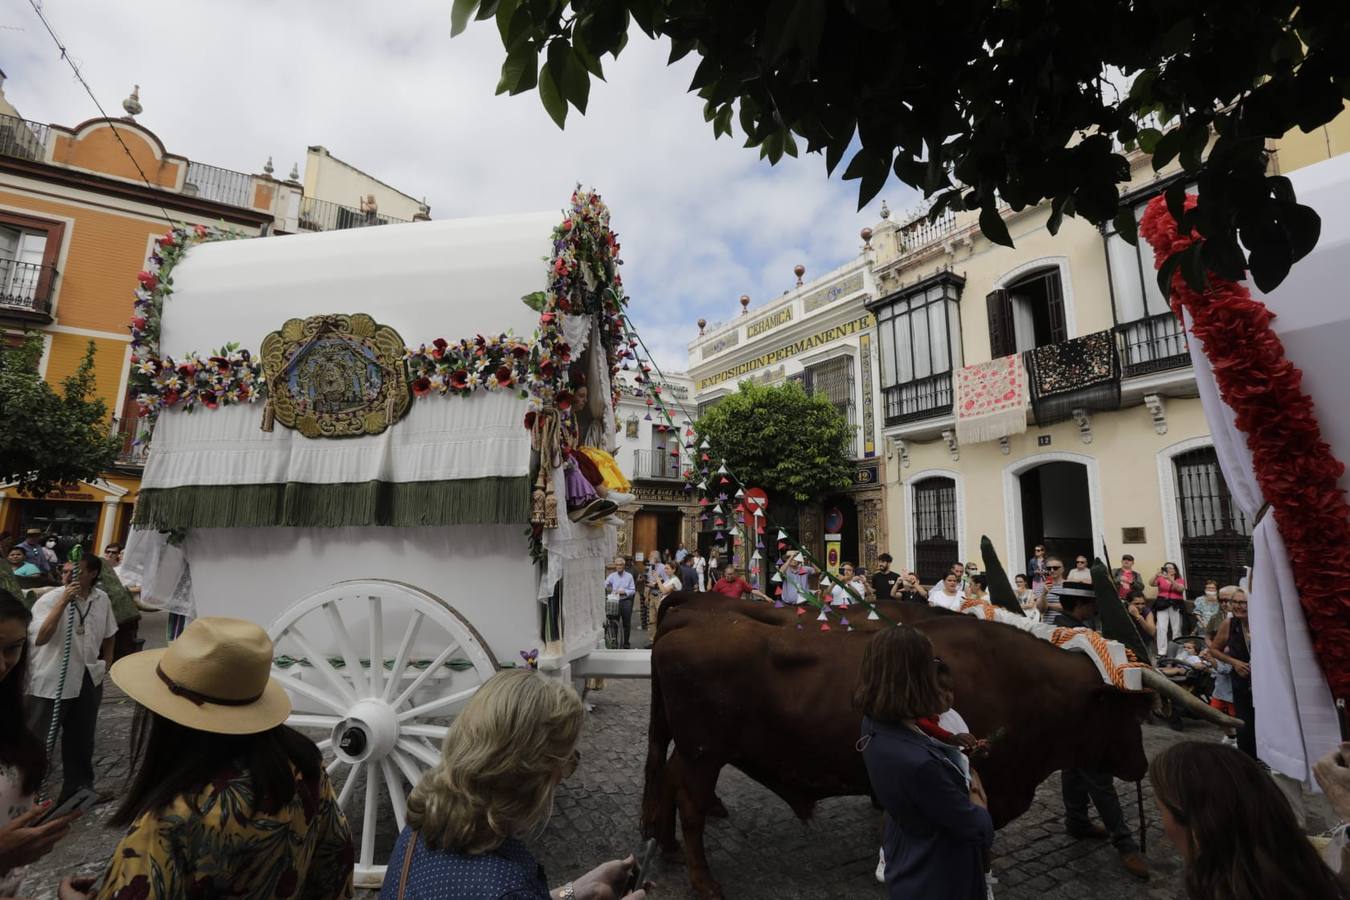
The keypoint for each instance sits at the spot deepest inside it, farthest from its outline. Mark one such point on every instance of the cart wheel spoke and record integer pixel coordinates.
(345, 646)
(407, 766)
(404, 650)
(304, 721)
(349, 785)
(372, 811)
(376, 628)
(440, 704)
(321, 665)
(425, 674)
(435, 732)
(417, 751)
(337, 763)
(394, 785)
(310, 691)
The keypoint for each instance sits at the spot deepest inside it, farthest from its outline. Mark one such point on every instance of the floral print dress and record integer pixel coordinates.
(216, 844)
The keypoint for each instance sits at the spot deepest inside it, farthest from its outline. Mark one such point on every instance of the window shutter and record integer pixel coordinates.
(1001, 339)
(1054, 292)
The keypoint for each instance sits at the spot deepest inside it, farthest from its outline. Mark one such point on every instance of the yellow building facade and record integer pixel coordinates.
(80, 208)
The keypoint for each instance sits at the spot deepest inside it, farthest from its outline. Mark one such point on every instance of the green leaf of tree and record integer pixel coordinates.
(551, 96)
(993, 226)
(460, 13)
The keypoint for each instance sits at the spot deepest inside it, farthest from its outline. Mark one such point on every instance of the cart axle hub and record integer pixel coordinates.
(369, 731)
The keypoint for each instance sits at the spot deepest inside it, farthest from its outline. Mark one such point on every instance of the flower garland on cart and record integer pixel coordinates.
(583, 279)
(1295, 467)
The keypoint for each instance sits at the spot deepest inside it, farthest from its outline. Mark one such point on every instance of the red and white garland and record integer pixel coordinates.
(1295, 467)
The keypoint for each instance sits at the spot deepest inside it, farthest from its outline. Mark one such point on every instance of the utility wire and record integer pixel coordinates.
(65, 55)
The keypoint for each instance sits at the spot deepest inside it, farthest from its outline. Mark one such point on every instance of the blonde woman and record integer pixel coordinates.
(500, 764)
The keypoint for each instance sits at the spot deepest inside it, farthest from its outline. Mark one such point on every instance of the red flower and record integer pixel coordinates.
(167, 240)
(546, 369)
(529, 420)
(421, 386)
(564, 352)
(520, 351)
(545, 318)
(459, 379)
(138, 323)
(200, 230)
(187, 370)
(560, 266)
(148, 280)
(170, 398)
(503, 375)
(209, 399)
(563, 400)
(438, 346)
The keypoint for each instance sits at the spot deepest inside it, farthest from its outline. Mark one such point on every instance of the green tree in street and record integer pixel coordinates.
(49, 438)
(781, 439)
(977, 103)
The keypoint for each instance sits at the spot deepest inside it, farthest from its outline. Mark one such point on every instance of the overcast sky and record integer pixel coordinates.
(382, 86)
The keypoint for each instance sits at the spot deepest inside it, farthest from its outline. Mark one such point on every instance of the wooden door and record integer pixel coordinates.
(645, 536)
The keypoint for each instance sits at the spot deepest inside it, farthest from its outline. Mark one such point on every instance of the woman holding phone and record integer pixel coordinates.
(24, 838)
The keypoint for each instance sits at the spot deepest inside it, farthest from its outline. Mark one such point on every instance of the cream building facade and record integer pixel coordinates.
(821, 334)
(1136, 475)
(1115, 465)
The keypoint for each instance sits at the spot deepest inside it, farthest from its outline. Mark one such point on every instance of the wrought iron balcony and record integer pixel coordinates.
(22, 139)
(321, 215)
(658, 464)
(26, 288)
(923, 398)
(220, 185)
(1154, 344)
(132, 455)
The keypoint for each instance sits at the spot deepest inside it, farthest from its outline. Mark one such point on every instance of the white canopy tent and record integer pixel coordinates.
(1296, 720)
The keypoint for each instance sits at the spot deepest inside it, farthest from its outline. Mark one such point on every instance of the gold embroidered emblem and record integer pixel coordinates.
(336, 375)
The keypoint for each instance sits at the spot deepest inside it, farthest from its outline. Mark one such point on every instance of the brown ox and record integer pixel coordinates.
(734, 683)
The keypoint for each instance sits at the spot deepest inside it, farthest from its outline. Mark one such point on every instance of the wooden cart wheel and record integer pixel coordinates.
(380, 726)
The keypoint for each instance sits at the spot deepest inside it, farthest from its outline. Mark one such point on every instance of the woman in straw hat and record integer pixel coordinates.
(500, 763)
(225, 800)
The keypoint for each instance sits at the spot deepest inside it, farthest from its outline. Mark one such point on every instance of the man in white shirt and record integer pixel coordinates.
(84, 610)
(621, 585)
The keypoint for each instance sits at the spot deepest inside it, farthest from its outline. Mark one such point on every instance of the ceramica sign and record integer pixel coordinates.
(860, 324)
(773, 320)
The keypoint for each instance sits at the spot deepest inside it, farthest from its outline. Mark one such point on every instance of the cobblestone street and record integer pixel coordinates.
(761, 851)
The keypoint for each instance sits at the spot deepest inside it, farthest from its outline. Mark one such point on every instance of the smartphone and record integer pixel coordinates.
(644, 861)
(81, 800)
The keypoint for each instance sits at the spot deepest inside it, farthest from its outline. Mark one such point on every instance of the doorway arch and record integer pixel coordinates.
(1013, 503)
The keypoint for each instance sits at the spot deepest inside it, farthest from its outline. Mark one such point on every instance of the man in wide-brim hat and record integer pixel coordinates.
(1079, 605)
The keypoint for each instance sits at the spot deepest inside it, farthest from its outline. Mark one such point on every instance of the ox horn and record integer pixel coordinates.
(1159, 682)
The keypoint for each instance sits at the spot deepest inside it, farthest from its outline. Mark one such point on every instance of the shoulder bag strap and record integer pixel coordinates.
(407, 863)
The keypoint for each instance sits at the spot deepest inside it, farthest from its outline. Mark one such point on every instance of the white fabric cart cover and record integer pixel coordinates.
(1295, 716)
(451, 460)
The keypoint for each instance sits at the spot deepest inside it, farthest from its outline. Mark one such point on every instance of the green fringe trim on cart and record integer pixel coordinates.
(285, 662)
(473, 501)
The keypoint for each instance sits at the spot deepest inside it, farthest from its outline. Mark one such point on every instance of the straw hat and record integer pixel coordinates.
(215, 677)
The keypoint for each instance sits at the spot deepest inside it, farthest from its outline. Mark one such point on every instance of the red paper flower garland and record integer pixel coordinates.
(1296, 469)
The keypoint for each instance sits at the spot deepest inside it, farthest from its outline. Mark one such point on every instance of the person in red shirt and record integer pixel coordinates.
(732, 585)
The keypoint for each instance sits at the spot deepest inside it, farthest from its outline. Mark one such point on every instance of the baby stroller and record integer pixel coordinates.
(1179, 665)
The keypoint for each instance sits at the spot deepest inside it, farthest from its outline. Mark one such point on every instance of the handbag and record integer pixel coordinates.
(407, 863)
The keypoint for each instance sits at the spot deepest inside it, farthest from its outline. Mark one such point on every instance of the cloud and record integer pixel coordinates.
(384, 87)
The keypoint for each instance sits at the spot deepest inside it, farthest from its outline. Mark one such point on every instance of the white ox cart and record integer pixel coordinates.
(392, 569)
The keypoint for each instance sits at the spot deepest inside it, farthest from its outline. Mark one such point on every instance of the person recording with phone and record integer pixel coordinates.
(72, 633)
(24, 836)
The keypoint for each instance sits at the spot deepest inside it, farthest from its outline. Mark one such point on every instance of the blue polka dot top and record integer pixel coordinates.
(508, 873)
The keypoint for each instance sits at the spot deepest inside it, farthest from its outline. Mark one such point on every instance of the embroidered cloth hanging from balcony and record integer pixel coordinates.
(991, 400)
(1083, 373)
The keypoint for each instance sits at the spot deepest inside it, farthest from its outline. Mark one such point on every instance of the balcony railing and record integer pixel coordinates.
(1155, 344)
(659, 464)
(22, 138)
(923, 398)
(220, 185)
(321, 215)
(26, 287)
(132, 453)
